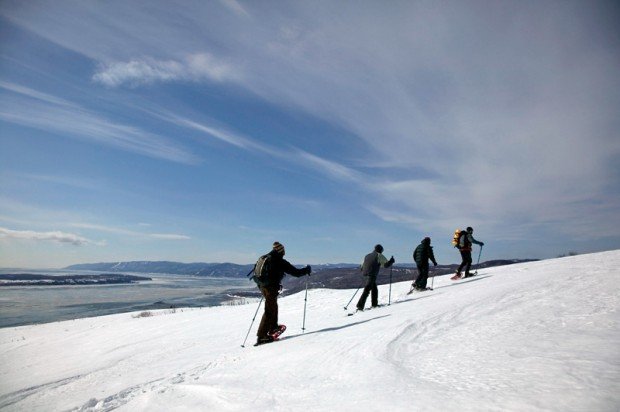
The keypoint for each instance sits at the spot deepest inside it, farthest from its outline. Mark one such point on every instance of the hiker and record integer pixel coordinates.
(421, 256)
(270, 287)
(370, 269)
(464, 245)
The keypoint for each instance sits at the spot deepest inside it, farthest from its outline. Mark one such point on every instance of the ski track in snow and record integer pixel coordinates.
(535, 336)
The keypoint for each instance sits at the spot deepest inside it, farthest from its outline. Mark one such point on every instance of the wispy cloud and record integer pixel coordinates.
(226, 135)
(72, 181)
(195, 67)
(54, 236)
(219, 133)
(42, 111)
(127, 232)
(168, 236)
(292, 155)
(236, 7)
(26, 91)
(329, 167)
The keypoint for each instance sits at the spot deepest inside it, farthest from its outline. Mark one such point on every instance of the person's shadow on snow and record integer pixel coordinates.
(334, 328)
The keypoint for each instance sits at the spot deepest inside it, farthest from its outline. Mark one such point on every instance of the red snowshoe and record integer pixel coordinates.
(275, 334)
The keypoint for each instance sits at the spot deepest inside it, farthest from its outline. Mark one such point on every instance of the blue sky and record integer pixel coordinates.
(203, 131)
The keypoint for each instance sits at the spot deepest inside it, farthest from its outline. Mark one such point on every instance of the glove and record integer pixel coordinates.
(308, 270)
(481, 244)
(392, 260)
(434, 263)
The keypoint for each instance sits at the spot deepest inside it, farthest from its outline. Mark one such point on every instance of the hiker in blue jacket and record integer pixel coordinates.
(466, 240)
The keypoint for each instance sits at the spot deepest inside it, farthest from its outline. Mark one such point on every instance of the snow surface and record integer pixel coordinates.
(534, 336)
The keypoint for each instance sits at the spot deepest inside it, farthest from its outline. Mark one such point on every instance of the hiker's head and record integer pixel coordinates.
(470, 229)
(378, 248)
(426, 240)
(278, 247)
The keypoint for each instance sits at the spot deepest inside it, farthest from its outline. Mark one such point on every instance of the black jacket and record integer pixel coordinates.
(423, 253)
(278, 267)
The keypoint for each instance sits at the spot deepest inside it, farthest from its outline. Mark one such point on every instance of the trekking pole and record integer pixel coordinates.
(358, 289)
(412, 284)
(432, 281)
(477, 263)
(303, 326)
(248, 334)
(390, 294)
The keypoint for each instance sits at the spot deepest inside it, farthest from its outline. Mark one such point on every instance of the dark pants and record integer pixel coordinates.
(270, 317)
(422, 278)
(466, 263)
(371, 288)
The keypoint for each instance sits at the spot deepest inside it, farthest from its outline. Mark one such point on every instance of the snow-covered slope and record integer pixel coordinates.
(534, 336)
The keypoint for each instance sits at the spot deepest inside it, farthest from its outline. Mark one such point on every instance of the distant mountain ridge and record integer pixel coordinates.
(351, 277)
(336, 275)
(194, 269)
(29, 279)
(175, 268)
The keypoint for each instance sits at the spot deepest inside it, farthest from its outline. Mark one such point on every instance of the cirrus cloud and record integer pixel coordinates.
(54, 236)
(194, 67)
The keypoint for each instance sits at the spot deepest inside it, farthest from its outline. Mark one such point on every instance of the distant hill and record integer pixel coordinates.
(178, 268)
(351, 277)
(28, 279)
(334, 275)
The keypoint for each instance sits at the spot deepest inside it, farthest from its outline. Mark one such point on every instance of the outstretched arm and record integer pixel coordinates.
(293, 271)
(472, 240)
(384, 262)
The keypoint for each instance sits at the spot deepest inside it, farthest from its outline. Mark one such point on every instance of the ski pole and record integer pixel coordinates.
(390, 294)
(478, 263)
(358, 289)
(250, 328)
(303, 326)
(433, 280)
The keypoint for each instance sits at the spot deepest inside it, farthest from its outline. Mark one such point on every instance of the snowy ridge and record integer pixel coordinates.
(532, 336)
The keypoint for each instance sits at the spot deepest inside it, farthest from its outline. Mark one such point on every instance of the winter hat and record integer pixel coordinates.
(470, 229)
(378, 248)
(426, 240)
(278, 247)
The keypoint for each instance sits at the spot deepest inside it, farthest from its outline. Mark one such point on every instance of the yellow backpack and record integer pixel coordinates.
(456, 239)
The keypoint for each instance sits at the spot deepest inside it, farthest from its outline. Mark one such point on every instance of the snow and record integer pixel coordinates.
(534, 336)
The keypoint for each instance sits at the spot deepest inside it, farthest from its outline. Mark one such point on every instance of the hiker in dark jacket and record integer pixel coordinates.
(270, 287)
(370, 269)
(421, 256)
(465, 244)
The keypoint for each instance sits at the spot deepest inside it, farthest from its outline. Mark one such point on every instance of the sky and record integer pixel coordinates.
(200, 131)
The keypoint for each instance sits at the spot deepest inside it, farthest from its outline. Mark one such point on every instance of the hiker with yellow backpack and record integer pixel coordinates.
(463, 241)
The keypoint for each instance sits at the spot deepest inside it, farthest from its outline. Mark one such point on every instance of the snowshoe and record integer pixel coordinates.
(456, 276)
(275, 334)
